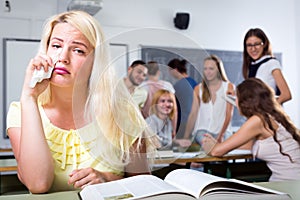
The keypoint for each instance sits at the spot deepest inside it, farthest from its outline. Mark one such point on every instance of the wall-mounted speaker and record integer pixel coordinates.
(181, 20)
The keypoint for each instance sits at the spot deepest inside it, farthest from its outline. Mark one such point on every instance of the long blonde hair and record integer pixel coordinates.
(108, 100)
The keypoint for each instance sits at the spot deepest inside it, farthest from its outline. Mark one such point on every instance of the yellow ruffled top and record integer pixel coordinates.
(71, 149)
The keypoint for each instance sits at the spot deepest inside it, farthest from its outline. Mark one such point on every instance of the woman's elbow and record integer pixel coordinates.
(216, 152)
(39, 187)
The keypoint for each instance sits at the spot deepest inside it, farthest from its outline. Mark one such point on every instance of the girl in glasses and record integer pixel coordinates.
(258, 61)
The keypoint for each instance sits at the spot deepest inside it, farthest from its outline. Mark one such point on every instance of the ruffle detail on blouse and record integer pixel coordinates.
(66, 147)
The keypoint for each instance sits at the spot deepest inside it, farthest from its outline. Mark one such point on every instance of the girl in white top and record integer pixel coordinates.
(258, 61)
(211, 113)
(273, 136)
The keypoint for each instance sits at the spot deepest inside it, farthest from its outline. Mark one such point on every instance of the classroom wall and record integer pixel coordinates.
(214, 24)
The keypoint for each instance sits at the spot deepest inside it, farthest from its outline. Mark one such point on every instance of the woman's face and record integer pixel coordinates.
(165, 104)
(75, 59)
(255, 47)
(210, 71)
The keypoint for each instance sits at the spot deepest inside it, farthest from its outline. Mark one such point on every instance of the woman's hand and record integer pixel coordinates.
(80, 178)
(38, 62)
(183, 142)
(208, 143)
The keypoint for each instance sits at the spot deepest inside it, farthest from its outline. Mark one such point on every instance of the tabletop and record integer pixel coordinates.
(7, 165)
(188, 157)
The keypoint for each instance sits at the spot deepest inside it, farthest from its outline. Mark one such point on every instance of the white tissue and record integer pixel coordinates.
(39, 75)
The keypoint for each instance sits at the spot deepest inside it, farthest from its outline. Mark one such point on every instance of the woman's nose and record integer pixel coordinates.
(63, 55)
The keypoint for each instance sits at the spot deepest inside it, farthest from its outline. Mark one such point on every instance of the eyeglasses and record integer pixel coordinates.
(255, 45)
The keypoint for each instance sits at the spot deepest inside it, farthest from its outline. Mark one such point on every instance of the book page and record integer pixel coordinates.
(191, 181)
(199, 184)
(128, 188)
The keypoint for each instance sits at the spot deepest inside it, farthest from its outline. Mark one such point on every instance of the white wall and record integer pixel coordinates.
(214, 24)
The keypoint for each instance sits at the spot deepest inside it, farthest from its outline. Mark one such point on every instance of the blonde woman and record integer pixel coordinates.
(160, 120)
(80, 126)
(211, 113)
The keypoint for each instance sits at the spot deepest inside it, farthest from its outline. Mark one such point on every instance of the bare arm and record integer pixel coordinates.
(228, 116)
(139, 162)
(80, 178)
(248, 132)
(229, 112)
(35, 163)
(285, 93)
(193, 114)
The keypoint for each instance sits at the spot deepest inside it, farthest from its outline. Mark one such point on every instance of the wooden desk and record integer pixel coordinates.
(8, 165)
(5, 150)
(289, 187)
(202, 157)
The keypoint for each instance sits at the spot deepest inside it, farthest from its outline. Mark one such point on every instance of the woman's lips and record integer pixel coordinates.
(61, 70)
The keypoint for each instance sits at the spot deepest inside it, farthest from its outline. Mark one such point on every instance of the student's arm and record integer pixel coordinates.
(193, 114)
(79, 178)
(248, 132)
(228, 116)
(138, 160)
(229, 112)
(35, 162)
(285, 93)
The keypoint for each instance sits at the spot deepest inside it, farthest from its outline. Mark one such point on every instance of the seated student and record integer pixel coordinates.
(274, 137)
(137, 73)
(160, 121)
(152, 84)
(80, 126)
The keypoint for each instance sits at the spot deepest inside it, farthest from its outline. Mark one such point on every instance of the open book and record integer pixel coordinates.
(179, 184)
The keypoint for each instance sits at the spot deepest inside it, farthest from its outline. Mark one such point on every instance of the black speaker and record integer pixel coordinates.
(181, 20)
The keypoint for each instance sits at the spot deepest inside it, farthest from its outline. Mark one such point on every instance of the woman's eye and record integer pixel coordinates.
(56, 46)
(79, 51)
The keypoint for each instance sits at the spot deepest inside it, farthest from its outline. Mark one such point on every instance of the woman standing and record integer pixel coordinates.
(258, 61)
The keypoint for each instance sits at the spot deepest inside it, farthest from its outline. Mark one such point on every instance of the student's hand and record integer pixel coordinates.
(80, 178)
(208, 143)
(183, 142)
(38, 62)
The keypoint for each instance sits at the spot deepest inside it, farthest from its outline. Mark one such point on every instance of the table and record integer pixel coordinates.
(11, 164)
(8, 165)
(289, 187)
(6, 150)
(6, 153)
(202, 157)
(219, 166)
